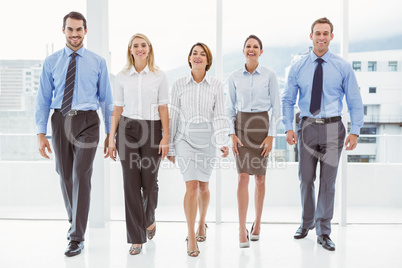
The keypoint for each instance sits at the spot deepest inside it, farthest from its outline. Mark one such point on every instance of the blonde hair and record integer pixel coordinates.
(150, 59)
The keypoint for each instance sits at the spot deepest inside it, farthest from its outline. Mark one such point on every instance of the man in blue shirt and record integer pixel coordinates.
(321, 79)
(74, 83)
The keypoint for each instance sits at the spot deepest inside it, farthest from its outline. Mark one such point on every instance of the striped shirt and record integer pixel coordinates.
(197, 103)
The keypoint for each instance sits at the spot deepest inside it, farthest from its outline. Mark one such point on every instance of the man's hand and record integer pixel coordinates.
(291, 137)
(105, 146)
(351, 142)
(267, 145)
(43, 143)
(235, 142)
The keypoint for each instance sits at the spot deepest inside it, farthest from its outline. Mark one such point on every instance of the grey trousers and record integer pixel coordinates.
(138, 145)
(75, 140)
(324, 143)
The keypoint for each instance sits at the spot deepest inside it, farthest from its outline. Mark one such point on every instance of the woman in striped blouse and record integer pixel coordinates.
(197, 128)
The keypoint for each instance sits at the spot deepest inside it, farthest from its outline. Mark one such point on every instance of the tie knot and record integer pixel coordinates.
(73, 55)
(319, 60)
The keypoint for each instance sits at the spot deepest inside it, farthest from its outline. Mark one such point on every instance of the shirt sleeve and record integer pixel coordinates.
(289, 99)
(163, 92)
(173, 122)
(44, 98)
(354, 101)
(276, 106)
(105, 95)
(231, 105)
(118, 91)
(220, 125)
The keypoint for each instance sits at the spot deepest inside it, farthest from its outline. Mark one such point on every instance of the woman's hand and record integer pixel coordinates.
(164, 147)
(112, 152)
(267, 145)
(171, 158)
(235, 142)
(225, 151)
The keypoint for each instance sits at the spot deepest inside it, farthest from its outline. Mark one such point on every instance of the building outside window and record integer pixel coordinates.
(372, 90)
(357, 66)
(392, 66)
(372, 66)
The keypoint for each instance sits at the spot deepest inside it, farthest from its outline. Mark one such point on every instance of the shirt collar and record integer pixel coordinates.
(134, 71)
(69, 51)
(325, 57)
(257, 70)
(190, 78)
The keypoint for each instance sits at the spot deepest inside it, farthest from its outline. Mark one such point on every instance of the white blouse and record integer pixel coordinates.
(198, 103)
(140, 94)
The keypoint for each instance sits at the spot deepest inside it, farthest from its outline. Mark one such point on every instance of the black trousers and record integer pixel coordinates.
(138, 145)
(75, 140)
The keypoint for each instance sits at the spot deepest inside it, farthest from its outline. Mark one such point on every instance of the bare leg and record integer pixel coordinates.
(203, 202)
(190, 209)
(259, 201)
(242, 203)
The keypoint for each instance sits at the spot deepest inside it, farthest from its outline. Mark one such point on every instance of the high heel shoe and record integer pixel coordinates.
(245, 244)
(135, 250)
(254, 237)
(192, 252)
(202, 238)
(151, 233)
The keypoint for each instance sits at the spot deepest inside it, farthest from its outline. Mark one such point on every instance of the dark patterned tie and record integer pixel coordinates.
(315, 104)
(69, 88)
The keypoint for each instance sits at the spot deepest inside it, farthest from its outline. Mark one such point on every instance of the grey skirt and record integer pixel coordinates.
(251, 129)
(195, 151)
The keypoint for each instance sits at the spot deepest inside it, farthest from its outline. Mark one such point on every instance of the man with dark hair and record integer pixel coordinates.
(321, 79)
(74, 83)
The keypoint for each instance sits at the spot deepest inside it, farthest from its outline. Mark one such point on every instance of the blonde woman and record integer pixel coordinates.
(140, 123)
(197, 112)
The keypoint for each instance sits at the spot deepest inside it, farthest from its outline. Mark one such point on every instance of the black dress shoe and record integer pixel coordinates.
(326, 242)
(302, 233)
(74, 248)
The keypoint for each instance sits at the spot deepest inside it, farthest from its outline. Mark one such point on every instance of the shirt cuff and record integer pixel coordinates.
(355, 130)
(41, 129)
(118, 103)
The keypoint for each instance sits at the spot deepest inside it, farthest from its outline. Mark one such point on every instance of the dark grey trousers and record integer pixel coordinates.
(138, 145)
(324, 143)
(75, 140)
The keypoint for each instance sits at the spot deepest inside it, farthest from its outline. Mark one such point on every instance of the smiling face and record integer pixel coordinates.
(321, 37)
(252, 50)
(140, 49)
(75, 33)
(198, 58)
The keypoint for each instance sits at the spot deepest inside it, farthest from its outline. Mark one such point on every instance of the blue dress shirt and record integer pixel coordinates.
(253, 93)
(339, 80)
(91, 89)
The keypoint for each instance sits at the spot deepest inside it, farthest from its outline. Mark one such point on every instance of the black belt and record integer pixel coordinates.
(74, 112)
(322, 120)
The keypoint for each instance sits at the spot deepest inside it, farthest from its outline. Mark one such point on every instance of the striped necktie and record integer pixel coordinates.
(69, 88)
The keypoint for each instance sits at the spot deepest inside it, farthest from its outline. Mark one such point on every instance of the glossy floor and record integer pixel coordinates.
(37, 243)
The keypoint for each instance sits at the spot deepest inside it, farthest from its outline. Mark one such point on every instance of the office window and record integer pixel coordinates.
(372, 90)
(365, 109)
(357, 66)
(372, 66)
(392, 66)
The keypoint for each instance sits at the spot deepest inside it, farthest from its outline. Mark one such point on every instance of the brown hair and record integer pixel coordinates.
(323, 20)
(207, 52)
(252, 36)
(151, 58)
(76, 16)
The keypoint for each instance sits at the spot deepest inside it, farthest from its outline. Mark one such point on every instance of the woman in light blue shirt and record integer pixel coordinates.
(253, 91)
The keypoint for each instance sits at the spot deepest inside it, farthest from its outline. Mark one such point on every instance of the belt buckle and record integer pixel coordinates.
(319, 121)
(72, 113)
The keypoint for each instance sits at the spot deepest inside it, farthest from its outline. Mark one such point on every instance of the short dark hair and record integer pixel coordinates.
(323, 20)
(252, 36)
(76, 16)
(208, 53)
